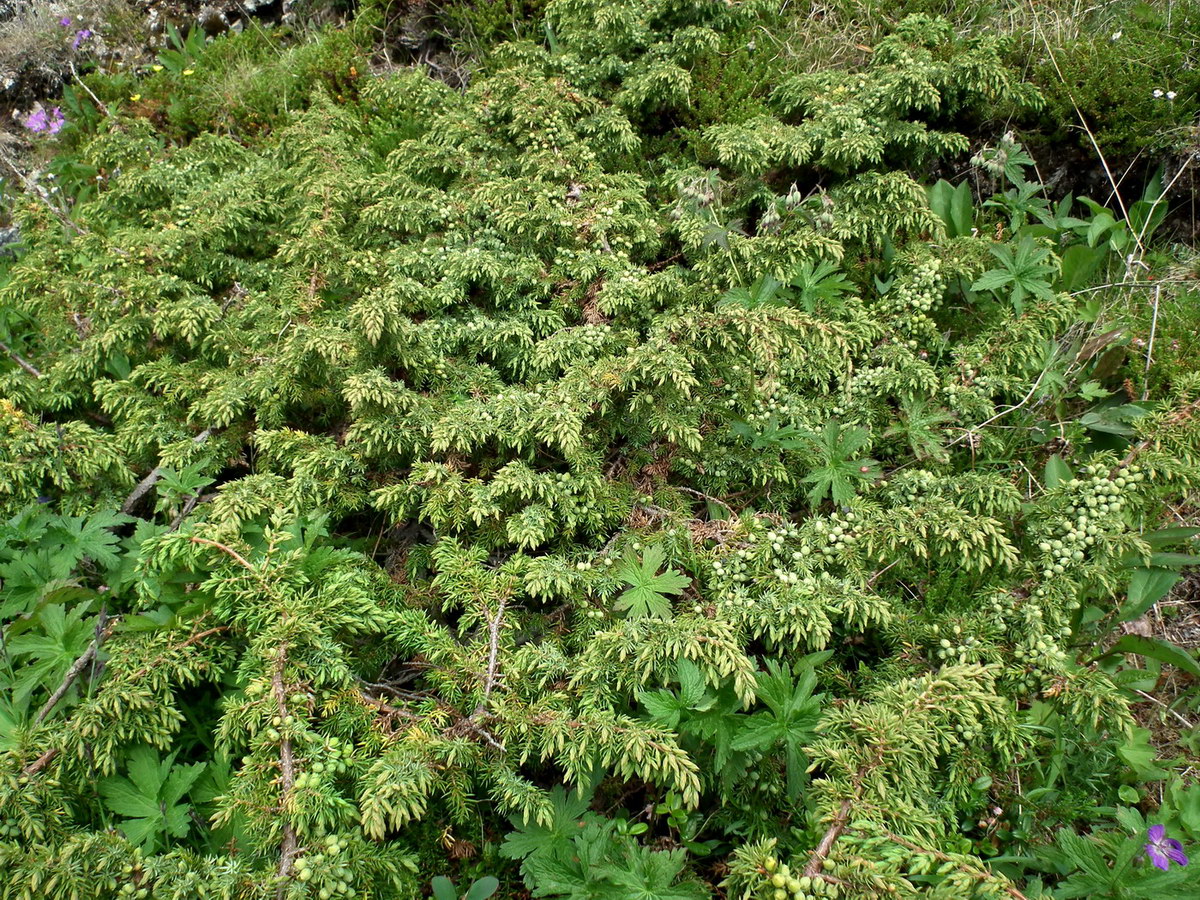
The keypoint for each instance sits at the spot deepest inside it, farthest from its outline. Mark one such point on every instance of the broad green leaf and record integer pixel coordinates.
(1164, 537)
(1140, 755)
(149, 797)
(1057, 471)
(1154, 648)
(1079, 262)
(483, 888)
(1173, 560)
(962, 213)
(443, 888)
(663, 707)
(122, 797)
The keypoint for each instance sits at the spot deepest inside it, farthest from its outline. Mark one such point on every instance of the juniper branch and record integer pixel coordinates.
(150, 480)
(42, 761)
(703, 496)
(20, 360)
(194, 639)
(1180, 415)
(287, 768)
(836, 827)
(493, 650)
(942, 857)
(241, 560)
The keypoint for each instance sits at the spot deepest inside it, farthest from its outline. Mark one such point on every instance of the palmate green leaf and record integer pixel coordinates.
(663, 707)
(1022, 203)
(529, 838)
(598, 864)
(90, 537)
(992, 280)
(792, 716)
(919, 427)
(125, 798)
(645, 874)
(28, 579)
(49, 651)
(647, 593)
(691, 683)
(771, 436)
(839, 472)
(766, 291)
(180, 782)
(1025, 272)
(667, 708)
(818, 285)
(149, 797)
(577, 868)
(1112, 865)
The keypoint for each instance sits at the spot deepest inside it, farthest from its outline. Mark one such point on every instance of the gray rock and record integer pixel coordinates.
(212, 20)
(9, 237)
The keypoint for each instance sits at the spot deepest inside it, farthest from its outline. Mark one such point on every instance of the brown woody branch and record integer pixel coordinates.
(42, 761)
(493, 649)
(103, 630)
(836, 827)
(188, 507)
(20, 360)
(703, 496)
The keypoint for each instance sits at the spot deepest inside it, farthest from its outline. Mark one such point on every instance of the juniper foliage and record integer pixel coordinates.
(403, 454)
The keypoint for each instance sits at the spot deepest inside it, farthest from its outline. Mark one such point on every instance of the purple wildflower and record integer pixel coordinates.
(1163, 850)
(65, 21)
(43, 122)
(81, 36)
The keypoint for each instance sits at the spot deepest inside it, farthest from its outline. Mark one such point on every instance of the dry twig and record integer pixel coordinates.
(20, 360)
(152, 479)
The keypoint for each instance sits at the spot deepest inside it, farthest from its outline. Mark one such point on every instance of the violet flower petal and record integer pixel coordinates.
(1174, 852)
(36, 121)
